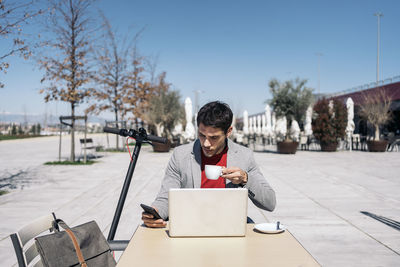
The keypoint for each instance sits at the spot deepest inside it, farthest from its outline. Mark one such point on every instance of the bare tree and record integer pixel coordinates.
(13, 15)
(151, 67)
(112, 74)
(67, 71)
(139, 91)
(376, 109)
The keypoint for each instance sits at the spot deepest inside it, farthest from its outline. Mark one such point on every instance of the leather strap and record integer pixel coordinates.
(77, 248)
(74, 242)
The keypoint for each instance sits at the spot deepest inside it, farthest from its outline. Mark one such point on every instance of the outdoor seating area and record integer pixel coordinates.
(358, 143)
(348, 180)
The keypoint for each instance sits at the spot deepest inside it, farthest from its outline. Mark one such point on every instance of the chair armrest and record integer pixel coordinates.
(118, 245)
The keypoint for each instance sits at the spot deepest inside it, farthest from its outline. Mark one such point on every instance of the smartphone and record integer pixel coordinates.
(151, 210)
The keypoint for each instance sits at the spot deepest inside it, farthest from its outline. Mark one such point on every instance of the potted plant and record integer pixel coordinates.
(329, 123)
(290, 99)
(375, 108)
(164, 112)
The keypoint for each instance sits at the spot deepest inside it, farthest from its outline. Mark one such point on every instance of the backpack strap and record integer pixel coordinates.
(74, 241)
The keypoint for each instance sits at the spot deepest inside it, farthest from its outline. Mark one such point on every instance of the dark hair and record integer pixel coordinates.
(215, 114)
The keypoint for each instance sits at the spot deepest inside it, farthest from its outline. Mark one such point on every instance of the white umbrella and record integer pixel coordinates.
(268, 120)
(251, 127)
(350, 121)
(245, 122)
(258, 127)
(350, 115)
(264, 125)
(280, 127)
(189, 129)
(295, 130)
(307, 124)
(273, 123)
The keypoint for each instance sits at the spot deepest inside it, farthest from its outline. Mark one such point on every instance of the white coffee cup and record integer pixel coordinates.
(213, 172)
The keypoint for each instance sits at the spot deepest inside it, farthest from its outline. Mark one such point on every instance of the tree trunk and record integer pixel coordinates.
(72, 157)
(158, 129)
(376, 133)
(116, 136)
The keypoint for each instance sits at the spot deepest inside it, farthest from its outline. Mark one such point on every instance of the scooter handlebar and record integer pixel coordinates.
(157, 139)
(124, 132)
(114, 131)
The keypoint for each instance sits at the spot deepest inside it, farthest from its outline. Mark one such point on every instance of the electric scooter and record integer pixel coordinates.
(141, 137)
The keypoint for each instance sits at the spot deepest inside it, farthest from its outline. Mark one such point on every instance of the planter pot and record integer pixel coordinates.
(329, 147)
(377, 146)
(157, 147)
(287, 147)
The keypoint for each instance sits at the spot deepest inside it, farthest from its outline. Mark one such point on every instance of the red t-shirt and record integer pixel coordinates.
(219, 160)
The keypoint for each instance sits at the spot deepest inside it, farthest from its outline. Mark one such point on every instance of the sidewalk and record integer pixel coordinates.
(320, 196)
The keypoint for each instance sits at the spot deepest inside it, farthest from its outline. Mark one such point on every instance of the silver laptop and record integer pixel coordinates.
(207, 212)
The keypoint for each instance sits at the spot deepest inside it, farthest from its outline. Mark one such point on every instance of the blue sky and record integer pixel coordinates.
(231, 49)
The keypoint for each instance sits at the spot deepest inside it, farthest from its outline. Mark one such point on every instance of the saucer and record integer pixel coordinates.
(269, 228)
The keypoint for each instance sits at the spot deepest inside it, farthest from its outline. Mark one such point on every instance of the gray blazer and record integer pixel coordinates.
(184, 171)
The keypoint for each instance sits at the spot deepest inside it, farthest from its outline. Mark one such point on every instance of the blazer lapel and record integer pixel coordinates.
(196, 164)
(233, 155)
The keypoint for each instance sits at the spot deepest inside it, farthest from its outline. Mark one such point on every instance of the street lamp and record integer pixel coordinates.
(379, 15)
(196, 107)
(196, 100)
(319, 56)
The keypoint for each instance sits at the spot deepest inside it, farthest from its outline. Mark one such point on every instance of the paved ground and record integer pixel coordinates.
(320, 196)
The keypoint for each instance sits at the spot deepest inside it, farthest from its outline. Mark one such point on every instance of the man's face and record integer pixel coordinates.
(212, 139)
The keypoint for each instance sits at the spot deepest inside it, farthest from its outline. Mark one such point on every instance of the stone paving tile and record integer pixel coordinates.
(320, 196)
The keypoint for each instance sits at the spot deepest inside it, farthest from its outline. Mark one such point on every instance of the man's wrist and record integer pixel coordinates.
(244, 181)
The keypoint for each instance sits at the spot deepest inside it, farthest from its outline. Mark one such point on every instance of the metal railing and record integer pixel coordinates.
(366, 86)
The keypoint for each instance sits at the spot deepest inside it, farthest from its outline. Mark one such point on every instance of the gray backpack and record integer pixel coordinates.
(82, 245)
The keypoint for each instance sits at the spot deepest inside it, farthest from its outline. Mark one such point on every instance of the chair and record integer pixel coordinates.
(303, 142)
(395, 143)
(24, 243)
(363, 142)
(355, 140)
(313, 143)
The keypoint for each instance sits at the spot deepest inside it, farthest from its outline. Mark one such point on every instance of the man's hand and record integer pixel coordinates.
(149, 221)
(235, 175)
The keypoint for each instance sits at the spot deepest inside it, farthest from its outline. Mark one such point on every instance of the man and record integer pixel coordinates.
(186, 166)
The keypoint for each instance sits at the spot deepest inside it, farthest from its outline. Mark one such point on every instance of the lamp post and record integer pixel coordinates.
(379, 15)
(196, 100)
(196, 107)
(319, 56)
